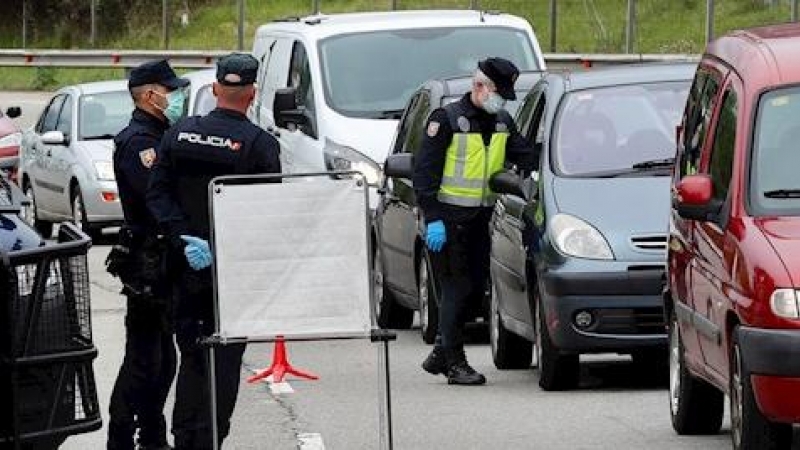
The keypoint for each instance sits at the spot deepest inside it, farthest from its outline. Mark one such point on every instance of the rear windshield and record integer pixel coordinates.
(370, 74)
(609, 130)
(776, 154)
(103, 115)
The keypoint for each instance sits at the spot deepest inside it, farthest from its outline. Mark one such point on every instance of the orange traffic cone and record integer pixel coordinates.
(280, 366)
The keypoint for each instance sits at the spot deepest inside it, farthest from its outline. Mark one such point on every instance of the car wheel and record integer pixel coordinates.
(29, 214)
(388, 313)
(79, 215)
(750, 430)
(695, 406)
(428, 302)
(557, 372)
(509, 351)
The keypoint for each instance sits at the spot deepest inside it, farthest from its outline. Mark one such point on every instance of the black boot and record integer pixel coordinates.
(460, 372)
(436, 362)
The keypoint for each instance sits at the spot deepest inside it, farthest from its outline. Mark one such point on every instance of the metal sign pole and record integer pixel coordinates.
(794, 10)
(553, 25)
(630, 26)
(709, 20)
(241, 25)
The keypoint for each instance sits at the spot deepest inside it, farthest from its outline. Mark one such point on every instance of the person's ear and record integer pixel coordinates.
(215, 89)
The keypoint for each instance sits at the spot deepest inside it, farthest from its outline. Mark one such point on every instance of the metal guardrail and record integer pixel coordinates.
(197, 59)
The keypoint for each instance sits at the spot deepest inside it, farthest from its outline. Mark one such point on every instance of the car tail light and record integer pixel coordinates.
(109, 196)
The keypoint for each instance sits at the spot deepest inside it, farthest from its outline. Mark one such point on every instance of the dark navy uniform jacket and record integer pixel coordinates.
(136, 148)
(192, 153)
(437, 135)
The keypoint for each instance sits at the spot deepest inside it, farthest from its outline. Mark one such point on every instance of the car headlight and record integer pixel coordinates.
(343, 158)
(105, 170)
(12, 140)
(575, 237)
(784, 303)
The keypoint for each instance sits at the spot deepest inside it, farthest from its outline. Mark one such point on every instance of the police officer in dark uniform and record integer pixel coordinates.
(193, 152)
(464, 144)
(144, 380)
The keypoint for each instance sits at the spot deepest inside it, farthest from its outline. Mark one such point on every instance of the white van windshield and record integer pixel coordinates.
(372, 75)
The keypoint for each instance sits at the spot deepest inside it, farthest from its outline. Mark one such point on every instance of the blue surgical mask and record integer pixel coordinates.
(176, 101)
(175, 105)
(493, 103)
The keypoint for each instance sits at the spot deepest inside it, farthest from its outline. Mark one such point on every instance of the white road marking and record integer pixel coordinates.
(310, 441)
(281, 388)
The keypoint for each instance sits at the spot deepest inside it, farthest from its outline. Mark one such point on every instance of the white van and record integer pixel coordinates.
(333, 87)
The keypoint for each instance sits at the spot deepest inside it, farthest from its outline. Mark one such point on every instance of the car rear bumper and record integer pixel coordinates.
(773, 359)
(626, 309)
(100, 207)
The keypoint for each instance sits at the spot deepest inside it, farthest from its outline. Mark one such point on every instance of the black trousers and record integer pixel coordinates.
(192, 416)
(145, 377)
(461, 270)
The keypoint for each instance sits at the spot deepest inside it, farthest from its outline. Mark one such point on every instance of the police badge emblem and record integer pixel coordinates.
(463, 124)
(148, 157)
(433, 129)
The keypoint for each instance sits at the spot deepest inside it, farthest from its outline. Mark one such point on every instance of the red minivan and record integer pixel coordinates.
(733, 291)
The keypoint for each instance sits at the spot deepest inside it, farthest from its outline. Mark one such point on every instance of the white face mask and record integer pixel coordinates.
(493, 103)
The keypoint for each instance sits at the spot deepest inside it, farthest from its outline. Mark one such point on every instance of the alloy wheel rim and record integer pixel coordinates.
(77, 212)
(736, 398)
(674, 369)
(423, 295)
(29, 211)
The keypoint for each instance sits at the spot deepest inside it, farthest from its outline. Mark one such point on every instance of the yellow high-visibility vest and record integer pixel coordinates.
(468, 166)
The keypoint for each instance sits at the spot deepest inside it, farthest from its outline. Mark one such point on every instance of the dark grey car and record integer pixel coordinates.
(578, 253)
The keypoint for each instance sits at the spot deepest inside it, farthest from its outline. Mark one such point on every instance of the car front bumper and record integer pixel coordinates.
(625, 305)
(773, 360)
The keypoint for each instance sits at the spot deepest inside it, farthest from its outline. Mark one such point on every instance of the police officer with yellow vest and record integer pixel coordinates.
(464, 144)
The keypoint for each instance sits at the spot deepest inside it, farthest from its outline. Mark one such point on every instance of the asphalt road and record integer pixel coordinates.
(616, 406)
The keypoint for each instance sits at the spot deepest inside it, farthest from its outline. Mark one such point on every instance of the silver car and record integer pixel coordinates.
(67, 168)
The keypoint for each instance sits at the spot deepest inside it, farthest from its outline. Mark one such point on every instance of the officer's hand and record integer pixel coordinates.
(197, 252)
(435, 236)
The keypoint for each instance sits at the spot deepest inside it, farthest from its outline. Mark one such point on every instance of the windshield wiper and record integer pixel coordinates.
(654, 164)
(782, 193)
(390, 114)
(98, 137)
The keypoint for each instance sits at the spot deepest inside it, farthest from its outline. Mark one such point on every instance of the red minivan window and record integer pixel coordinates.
(775, 168)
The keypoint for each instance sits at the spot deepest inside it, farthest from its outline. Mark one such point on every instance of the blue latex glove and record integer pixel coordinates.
(197, 252)
(435, 236)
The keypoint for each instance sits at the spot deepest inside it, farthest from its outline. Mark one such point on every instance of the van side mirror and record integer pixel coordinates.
(400, 165)
(14, 112)
(506, 182)
(693, 198)
(54, 138)
(285, 109)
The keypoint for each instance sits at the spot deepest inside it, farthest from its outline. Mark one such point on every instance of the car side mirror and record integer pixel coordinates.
(54, 138)
(693, 197)
(506, 182)
(285, 109)
(400, 165)
(14, 112)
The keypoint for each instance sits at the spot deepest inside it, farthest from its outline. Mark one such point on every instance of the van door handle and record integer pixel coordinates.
(274, 131)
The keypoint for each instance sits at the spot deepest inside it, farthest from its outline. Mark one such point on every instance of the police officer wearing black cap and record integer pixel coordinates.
(145, 377)
(193, 152)
(464, 144)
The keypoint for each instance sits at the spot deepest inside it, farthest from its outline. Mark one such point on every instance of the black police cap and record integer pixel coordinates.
(237, 69)
(503, 73)
(156, 72)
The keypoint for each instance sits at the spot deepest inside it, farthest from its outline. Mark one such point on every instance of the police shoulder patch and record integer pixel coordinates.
(501, 127)
(148, 157)
(463, 124)
(433, 128)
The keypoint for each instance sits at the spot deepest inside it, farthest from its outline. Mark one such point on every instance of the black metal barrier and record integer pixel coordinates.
(47, 383)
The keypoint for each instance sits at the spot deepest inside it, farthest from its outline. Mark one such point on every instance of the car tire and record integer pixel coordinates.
(696, 407)
(30, 215)
(79, 214)
(557, 371)
(388, 312)
(509, 351)
(750, 430)
(428, 301)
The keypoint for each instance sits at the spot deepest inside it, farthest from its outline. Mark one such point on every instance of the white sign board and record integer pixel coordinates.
(290, 259)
